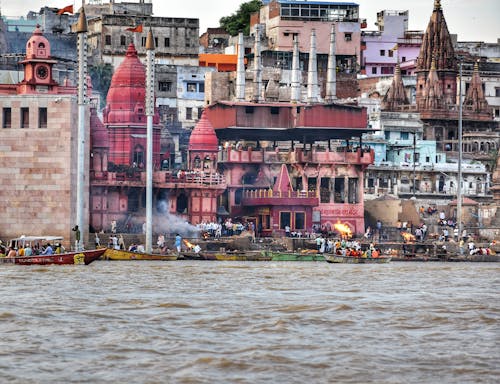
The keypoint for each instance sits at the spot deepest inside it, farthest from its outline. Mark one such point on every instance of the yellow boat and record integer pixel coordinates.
(119, 254)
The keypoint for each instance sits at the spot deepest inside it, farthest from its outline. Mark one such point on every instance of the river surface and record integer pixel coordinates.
(250, 322)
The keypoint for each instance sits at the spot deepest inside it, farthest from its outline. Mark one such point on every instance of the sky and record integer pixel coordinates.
(476, 20)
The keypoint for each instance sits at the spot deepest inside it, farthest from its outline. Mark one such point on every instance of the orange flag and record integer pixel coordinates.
(68, 9)
(136, 29)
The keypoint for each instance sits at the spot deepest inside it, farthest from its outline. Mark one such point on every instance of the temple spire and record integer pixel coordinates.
(437, 5)
(396, 95)
(475, 95)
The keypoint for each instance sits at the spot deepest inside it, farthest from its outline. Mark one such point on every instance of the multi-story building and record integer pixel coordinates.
(281, 21)
(390, 44)
(420, 136)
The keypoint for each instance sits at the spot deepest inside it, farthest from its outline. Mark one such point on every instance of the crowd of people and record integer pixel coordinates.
(31, 250)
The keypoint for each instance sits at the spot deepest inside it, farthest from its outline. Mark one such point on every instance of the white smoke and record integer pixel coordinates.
(166, 223)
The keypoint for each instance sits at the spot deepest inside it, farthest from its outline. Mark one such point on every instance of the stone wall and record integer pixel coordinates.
(38, 167)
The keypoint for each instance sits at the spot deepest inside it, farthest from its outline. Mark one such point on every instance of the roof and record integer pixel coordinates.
(310, 2)
(465, 201)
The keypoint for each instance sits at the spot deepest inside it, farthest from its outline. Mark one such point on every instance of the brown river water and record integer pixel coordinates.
(250, 322)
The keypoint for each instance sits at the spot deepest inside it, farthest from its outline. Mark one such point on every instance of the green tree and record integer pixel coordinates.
(240, 21)
(101, 75)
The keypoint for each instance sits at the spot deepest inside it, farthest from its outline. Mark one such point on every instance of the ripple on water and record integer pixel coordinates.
(204, 322)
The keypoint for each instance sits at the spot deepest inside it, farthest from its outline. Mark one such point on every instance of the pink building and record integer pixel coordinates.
(284, 165)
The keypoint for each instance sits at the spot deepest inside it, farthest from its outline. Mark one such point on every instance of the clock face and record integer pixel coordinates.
(42, 72)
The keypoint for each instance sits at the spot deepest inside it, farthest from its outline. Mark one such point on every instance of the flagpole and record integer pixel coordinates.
(81, 31)
(150, 107)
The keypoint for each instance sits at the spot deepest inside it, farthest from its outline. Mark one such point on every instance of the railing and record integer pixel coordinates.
(269, 193)
(195, 177)
(161, 177)
(339, 155)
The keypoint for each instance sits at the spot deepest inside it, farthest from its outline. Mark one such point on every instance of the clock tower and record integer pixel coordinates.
(38, 65)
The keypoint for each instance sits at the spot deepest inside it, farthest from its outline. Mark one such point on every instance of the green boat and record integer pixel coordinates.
(295, 256)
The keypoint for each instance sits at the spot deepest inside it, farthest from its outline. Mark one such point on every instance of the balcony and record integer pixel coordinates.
(260, 197)
(161, 179)
(339, 155)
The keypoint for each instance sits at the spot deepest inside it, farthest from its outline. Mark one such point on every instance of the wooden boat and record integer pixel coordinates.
(190, 255)
(82, 257)
(331, 258)
(295, 256)
(119, 254)
(243, 256)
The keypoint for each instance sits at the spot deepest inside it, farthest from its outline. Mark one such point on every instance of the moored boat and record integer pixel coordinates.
(243, 256)
(82, 257)
(120, 254)
(331, 258)
(295, 256)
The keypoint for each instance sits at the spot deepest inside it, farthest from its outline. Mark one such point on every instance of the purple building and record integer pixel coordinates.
(391, 43)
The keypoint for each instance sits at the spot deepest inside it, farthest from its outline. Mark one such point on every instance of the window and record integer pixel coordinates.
(387, 135)
(156, 42)
(248, 109)
(387, 70)
(347, 36)
(200, 111)
(284, 219)
(166, 42)
(238, 195)
(42, 117)
(201, 87)
(403, 59)
(139, 156)
(191, 87)
(404, 136)
(7, 118)
(165, 86)
(143, 41)
(275, 111)
(25, 118)
(374, 70)
(391, 53)
(300, 220)
(339, 190)
(497, 92)
(353, 191)
(107, 40)
(189, 113)
(382, 52)
(122, 40)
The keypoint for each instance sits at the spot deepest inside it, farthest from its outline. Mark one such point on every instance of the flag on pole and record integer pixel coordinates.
(136, 29)
(68, 9)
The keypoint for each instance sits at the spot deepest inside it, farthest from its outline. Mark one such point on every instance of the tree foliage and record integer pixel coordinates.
(101, 75)
(240, 21)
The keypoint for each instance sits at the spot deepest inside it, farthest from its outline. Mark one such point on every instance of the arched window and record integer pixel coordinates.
(139, 156)
(41, 45)
(206, 162)
(197, 162)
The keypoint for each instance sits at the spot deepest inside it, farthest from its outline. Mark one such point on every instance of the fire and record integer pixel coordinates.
(343, 229)
(188, 244)
(408, 237)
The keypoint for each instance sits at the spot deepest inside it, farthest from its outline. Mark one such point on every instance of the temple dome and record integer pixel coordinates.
(37, 47)
(203, 137)
(126, 95)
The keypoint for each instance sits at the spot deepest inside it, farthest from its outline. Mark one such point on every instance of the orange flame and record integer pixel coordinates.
(343, 229)
(408, 236)
(188, 244)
